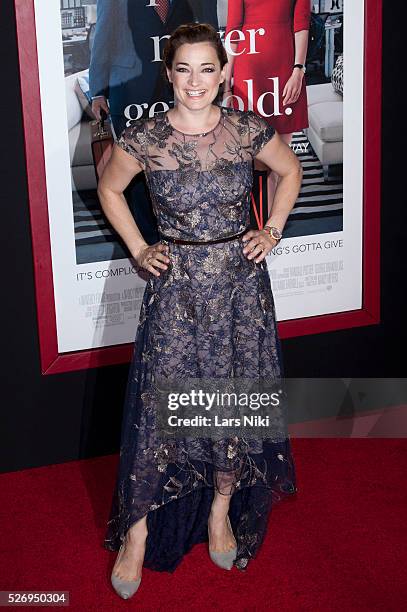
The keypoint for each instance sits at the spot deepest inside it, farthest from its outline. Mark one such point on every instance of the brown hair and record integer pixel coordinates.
(193, 33)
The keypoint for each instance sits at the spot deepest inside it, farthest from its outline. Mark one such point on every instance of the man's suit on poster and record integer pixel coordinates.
(121, 66)
(207, 12)
(121, 69)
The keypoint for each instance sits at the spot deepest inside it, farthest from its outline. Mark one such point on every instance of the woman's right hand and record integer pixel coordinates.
(152, 257)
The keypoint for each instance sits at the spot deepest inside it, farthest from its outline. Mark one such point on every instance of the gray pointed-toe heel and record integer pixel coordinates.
(224, 559)
(124, 588)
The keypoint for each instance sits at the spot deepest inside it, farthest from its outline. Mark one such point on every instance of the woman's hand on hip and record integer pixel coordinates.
(152, 257)
(258, 244)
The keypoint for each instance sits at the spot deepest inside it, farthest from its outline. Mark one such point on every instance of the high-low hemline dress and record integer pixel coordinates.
(211, 314)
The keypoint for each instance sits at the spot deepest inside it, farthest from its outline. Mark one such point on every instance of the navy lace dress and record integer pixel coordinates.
(210, 314)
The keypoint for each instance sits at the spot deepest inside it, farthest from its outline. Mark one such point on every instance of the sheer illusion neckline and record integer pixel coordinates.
(199, 134)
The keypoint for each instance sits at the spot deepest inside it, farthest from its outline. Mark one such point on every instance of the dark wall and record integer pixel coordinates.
(51, 419)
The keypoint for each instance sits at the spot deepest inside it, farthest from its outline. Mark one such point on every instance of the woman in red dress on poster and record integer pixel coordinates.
(268, 55)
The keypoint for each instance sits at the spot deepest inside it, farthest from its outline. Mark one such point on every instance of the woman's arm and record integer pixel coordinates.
(128, 159)
(118, 173)
(292, 88)
(301, 20)
(301, 46)
(278, 156)
(302, 17)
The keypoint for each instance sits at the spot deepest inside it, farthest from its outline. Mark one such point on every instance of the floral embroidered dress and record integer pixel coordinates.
(211, 314)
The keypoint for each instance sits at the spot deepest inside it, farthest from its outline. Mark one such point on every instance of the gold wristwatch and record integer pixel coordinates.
(274, 232)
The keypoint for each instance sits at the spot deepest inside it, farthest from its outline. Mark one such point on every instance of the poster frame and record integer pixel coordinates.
(54, 362)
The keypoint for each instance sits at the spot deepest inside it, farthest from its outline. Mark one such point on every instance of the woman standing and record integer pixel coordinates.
(277, 49)
(207, 313)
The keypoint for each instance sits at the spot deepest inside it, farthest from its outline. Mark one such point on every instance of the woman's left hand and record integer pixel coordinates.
(258, 244)
(292, 89)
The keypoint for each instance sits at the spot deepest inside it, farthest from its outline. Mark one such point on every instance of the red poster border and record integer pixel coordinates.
(54, 362)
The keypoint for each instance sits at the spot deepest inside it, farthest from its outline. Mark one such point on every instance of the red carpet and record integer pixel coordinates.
(339, 545)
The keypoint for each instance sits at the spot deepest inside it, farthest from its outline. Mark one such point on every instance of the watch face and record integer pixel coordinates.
(275, 233)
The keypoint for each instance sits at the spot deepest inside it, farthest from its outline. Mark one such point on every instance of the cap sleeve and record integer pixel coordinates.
(132, 140)
(260, 132)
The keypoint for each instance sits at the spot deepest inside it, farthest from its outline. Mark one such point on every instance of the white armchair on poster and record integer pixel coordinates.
(325, 116)
(78, 116)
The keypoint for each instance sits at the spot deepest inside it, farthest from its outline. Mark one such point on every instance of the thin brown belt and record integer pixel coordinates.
(214, 241)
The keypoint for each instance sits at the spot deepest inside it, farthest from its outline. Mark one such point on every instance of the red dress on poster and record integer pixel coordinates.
(267, 54)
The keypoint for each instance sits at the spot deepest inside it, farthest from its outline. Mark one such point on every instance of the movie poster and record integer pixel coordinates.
(105, 56)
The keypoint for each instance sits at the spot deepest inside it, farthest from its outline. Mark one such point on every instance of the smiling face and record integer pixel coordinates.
(196, 75)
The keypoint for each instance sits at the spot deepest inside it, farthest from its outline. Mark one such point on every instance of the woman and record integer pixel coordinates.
(207, 313)
(277, 49)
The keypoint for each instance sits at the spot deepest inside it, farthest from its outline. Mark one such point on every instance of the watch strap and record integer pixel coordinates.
(301, 66)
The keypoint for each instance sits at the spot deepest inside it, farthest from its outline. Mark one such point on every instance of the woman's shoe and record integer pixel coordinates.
(224, 559)
(124, 588)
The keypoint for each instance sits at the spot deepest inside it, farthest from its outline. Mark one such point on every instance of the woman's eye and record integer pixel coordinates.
(182, 69)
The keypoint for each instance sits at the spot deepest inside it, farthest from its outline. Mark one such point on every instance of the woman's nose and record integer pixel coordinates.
(193, 79)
